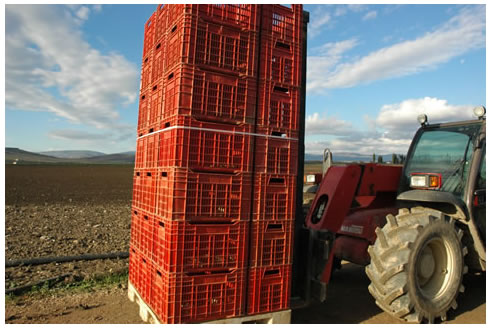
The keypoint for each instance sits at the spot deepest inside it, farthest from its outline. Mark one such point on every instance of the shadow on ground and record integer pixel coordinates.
(349, 302)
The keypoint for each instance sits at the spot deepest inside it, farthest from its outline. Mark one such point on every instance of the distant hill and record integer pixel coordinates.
(312, 158)
(20, 156)
(120, 158)
(72, 153)
(94, 157)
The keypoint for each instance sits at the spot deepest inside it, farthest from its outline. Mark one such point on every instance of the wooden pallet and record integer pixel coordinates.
(146, 313)
(148, 316)
(281, 317)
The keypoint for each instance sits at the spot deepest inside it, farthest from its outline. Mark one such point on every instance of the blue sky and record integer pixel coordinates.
(72, 74)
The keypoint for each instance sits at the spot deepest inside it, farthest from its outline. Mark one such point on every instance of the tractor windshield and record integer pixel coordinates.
(446, 151)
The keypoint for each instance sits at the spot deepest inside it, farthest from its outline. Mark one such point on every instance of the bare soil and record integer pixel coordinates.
(62, 211)
(71, 210)
(348, 302)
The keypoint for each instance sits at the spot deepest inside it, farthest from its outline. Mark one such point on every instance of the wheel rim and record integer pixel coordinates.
(434, 267)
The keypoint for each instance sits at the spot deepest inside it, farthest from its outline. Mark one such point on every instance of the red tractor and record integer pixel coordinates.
(417, 228)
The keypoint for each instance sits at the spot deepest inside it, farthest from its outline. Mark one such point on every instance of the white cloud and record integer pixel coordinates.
(462, 33)
(356, 7)
(399, 120)
(315, 124)
(340, 11)
(59, 72)
(83, 13)
(390, 132)
(76, 136)
(326, 57)
(319, 19)
(97, 8)
(370, 15)
(362, 146)
(335, 49)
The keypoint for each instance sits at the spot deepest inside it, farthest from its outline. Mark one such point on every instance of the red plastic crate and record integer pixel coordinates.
(284, 23)
(209, 96)
(161, 16)
(146, 155)
(268, 289)
(144, 190)
(201, 146)
(190, 40)
(146, 71)
(143, 113)
(277, 132)
(187, 247)
(142, 232)
(274, 197)
(280, 62)
(205, 146)
(239, 16)
(140, 274)
(276, 155)
(189, 298)
(271, 243)
(149, 35)
(278, 106)
(156, 99)
(204, 197)
(158, 58)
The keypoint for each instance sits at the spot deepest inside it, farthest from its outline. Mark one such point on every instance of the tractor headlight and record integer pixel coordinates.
(480, 111)
(426, 180)
(423, 119)
(418, 181)
(310, 178)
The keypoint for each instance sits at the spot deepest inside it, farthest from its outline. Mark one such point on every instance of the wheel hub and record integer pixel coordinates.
(433, 268)
(427, 264)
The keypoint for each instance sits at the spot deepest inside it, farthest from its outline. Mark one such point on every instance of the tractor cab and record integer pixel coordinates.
(422, 253)
(446, 167)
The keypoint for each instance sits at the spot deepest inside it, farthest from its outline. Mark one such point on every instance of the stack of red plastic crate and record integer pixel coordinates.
(216, 160)
(276, 156)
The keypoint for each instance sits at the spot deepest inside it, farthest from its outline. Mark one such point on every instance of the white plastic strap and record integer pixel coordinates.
(216, 130)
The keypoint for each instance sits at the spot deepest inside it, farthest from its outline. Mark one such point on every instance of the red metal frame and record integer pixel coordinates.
(359, 198)
(339, 187)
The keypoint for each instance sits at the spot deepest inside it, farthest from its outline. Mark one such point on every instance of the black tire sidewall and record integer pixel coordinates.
(446, 232)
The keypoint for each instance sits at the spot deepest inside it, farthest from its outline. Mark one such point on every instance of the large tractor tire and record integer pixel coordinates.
(417, 265)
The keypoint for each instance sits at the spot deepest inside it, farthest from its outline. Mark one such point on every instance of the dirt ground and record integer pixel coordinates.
(348, 302)
(70, 210)
(66, 210)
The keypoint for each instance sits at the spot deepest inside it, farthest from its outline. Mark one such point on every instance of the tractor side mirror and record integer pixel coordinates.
(480, 197)
(326, 161)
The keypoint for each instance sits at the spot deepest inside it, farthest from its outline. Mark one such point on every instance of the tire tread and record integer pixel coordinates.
(389, 262)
